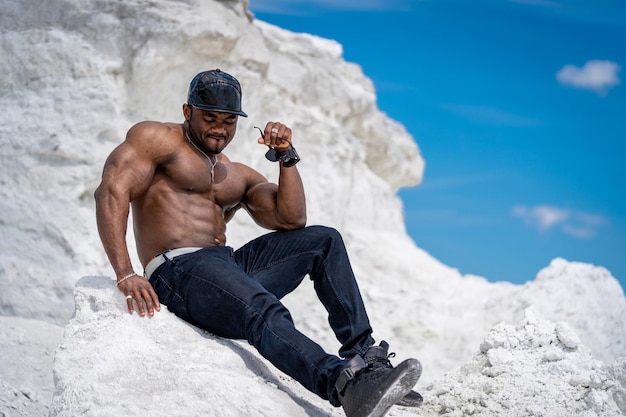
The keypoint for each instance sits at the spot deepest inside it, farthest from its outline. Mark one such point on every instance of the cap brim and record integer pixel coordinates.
(218, 110)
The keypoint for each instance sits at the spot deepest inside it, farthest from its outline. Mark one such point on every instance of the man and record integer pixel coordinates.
(183, 190)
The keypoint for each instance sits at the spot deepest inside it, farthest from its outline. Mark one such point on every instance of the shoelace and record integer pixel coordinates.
(380, 360)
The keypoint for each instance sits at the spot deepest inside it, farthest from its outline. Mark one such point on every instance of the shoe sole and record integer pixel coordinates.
(410, 402)
(394, 389)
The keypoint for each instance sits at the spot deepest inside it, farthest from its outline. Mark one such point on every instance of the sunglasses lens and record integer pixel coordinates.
(271, 155)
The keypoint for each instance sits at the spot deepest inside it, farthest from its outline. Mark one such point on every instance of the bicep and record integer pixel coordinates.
(131, 166)
(260, 197)
(126, 172)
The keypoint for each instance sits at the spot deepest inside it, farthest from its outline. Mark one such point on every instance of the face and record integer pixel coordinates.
(213, 130)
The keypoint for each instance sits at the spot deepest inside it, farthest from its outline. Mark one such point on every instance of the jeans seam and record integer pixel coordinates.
(336, 294)
(302, 354)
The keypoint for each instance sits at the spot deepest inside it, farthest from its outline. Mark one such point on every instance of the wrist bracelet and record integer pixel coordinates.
(289, 157)
(134, 274)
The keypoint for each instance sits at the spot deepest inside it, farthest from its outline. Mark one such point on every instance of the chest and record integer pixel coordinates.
(219, 182)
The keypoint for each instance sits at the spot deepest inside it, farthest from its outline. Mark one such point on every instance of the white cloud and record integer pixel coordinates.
(543, 217)
(596, 76)
(574, 223)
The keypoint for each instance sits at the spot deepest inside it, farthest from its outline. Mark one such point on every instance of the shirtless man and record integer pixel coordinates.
(183, 190)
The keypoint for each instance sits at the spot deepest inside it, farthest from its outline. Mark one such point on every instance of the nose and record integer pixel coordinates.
(218, 129)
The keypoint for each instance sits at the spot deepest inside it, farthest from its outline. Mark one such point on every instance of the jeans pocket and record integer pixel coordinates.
(167, 283)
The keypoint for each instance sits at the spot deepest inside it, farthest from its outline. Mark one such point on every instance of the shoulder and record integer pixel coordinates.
(155, 140)
(154, 131)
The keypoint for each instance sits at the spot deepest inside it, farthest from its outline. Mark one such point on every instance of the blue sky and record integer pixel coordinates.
(519, 108)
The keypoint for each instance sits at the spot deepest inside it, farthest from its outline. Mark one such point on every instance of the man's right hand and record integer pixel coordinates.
(139, 290)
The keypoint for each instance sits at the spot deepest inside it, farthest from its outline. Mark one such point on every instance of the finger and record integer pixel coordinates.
(139, 299)
(287, 134)
(277, 135)
(155, 299)
(148, 298)
(284, 136)
(277, 132)
(270, 130)
(129, 303)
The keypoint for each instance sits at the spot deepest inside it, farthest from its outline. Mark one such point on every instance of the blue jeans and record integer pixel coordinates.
(235, 294)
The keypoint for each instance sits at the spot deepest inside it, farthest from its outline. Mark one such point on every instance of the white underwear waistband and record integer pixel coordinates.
(160, 259)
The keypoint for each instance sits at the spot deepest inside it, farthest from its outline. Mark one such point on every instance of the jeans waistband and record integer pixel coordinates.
(160, 259)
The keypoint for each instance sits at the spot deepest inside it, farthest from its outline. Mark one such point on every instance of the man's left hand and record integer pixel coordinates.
(277, 136)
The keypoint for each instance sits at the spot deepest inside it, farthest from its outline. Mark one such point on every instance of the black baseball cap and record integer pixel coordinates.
(215, 90)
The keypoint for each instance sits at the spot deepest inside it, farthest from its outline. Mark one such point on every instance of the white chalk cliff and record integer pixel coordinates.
(75, 75)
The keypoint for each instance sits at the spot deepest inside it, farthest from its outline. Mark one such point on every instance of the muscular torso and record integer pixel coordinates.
(183, 207)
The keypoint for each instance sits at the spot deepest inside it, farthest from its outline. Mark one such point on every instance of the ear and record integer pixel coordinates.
(187, 111)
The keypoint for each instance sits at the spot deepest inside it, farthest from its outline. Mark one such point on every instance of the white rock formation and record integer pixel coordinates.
(535, 368)
(77, 74)
(111, 363)
(162, 366)
(26, 355)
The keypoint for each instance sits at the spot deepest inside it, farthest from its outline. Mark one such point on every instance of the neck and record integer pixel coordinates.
(192, 143)
(193, 139)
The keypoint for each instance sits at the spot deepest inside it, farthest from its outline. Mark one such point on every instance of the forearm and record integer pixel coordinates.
(112, 218)
(281, 206)
(290, 198)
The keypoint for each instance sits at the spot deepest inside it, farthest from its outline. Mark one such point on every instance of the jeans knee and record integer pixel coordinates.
(323, 233)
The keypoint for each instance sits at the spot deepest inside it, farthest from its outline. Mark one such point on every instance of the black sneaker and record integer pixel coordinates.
(366, 391)
(378, 357)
